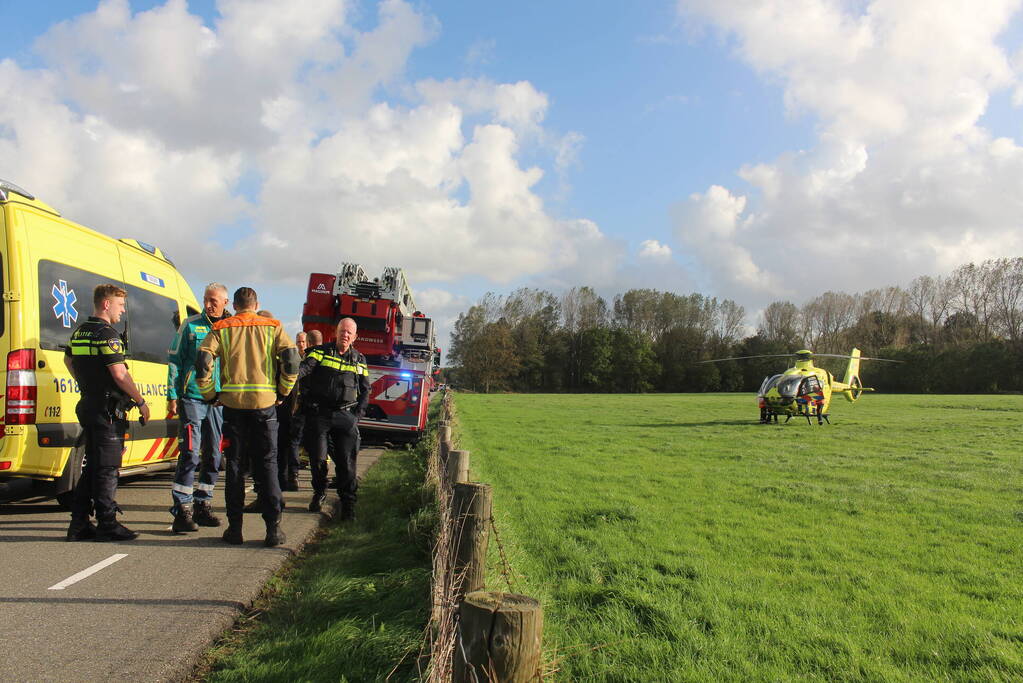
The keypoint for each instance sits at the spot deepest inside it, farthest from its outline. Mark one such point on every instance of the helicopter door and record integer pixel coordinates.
(811, 385)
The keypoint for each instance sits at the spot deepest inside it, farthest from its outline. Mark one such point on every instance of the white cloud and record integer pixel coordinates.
(443, 307)
(903, 179)
(158, 126)
(518, 105)
(654, 251)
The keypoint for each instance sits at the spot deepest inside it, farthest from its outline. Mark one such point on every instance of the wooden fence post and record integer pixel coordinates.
(471, 505)
(499, 637)
(458, 467)
(445, 441)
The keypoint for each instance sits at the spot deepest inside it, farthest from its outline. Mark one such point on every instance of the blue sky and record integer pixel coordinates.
(483, 146)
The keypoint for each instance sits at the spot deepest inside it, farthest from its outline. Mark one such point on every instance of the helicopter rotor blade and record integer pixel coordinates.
(839, 355)
(769, 355)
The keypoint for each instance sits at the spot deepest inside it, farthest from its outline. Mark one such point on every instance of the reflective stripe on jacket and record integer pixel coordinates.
(332, 379)
(258, 361)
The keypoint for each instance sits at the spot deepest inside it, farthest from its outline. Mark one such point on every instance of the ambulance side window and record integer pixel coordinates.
(65, 301)
(151, 325)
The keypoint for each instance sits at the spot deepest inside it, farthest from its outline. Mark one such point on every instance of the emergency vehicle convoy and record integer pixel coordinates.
(48, 269)
(396, 338)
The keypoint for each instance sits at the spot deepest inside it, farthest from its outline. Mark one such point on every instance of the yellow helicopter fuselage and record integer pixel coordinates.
(805, 390)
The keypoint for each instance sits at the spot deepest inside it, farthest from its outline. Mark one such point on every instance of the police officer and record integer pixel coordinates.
(335, 394)
(258, 368)
(289, 431)
(201, 424)
(95, 358)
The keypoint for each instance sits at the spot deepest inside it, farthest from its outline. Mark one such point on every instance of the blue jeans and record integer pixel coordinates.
(198, 441)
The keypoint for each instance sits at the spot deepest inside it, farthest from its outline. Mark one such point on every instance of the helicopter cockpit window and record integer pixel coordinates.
(789, 385)
(768, 384)
(812, 384)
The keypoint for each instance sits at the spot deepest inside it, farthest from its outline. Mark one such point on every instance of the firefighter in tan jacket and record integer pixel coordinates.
(258, 368)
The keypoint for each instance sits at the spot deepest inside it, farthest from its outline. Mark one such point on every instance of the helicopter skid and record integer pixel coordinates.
(768, 416)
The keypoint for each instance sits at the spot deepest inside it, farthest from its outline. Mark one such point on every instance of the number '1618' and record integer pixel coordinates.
(65, 385)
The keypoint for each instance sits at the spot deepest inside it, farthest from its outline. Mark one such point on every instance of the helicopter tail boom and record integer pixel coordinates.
(853, 386)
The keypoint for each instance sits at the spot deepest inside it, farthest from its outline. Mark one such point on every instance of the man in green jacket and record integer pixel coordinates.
(201, 423)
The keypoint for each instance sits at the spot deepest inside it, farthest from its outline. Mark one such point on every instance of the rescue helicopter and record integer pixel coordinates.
(805, 390)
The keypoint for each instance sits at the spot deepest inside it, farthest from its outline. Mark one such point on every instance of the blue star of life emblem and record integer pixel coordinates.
(64, 309)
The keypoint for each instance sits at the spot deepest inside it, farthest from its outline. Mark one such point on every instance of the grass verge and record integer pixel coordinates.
(671, 538)
(354, 605)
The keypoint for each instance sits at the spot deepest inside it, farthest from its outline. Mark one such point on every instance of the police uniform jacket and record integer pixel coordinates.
(95, 346)
(331, 380)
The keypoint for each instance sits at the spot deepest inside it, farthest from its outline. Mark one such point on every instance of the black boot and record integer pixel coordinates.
(316, 504)
(291, 484)
(233, 534)
(274, 534)
(347, 511)
(204, 514)
(81, 529)
(255, 506)
(114, 531)
(183, 519)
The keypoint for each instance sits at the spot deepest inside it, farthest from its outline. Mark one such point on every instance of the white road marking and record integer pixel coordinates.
(85, 573)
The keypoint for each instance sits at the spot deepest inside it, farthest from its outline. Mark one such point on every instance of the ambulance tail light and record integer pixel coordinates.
(21, 387)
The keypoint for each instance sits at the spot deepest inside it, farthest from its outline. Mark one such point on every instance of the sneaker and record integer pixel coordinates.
(233, 534)
(316, 504)
(255, 506)
(183, 520)
(115, 532)
(81, 530)
(204, 515)
(274, 535)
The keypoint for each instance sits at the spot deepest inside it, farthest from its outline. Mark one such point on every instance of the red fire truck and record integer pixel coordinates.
(396, 338)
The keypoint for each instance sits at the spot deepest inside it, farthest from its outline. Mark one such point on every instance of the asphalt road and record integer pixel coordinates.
(151, 606)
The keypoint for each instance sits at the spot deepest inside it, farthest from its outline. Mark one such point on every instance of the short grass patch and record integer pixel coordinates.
(672, 538)
(354, 606)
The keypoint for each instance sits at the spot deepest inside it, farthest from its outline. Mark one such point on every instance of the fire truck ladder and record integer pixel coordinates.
(395, 287)
(349, 275)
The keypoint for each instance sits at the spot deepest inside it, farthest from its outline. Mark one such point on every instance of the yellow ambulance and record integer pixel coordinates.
(48, 269)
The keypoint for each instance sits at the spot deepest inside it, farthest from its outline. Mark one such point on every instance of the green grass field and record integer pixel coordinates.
(354, 606)
(672, 538)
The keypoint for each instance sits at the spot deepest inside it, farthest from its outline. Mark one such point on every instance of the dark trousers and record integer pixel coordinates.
(343, 431)
(104, 446)
(289, 437)
(251, 435)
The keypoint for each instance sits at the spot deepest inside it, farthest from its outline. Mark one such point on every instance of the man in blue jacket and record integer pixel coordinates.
(201, 423)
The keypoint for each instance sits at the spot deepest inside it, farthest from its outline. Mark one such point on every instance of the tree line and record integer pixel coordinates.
(956, 334)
